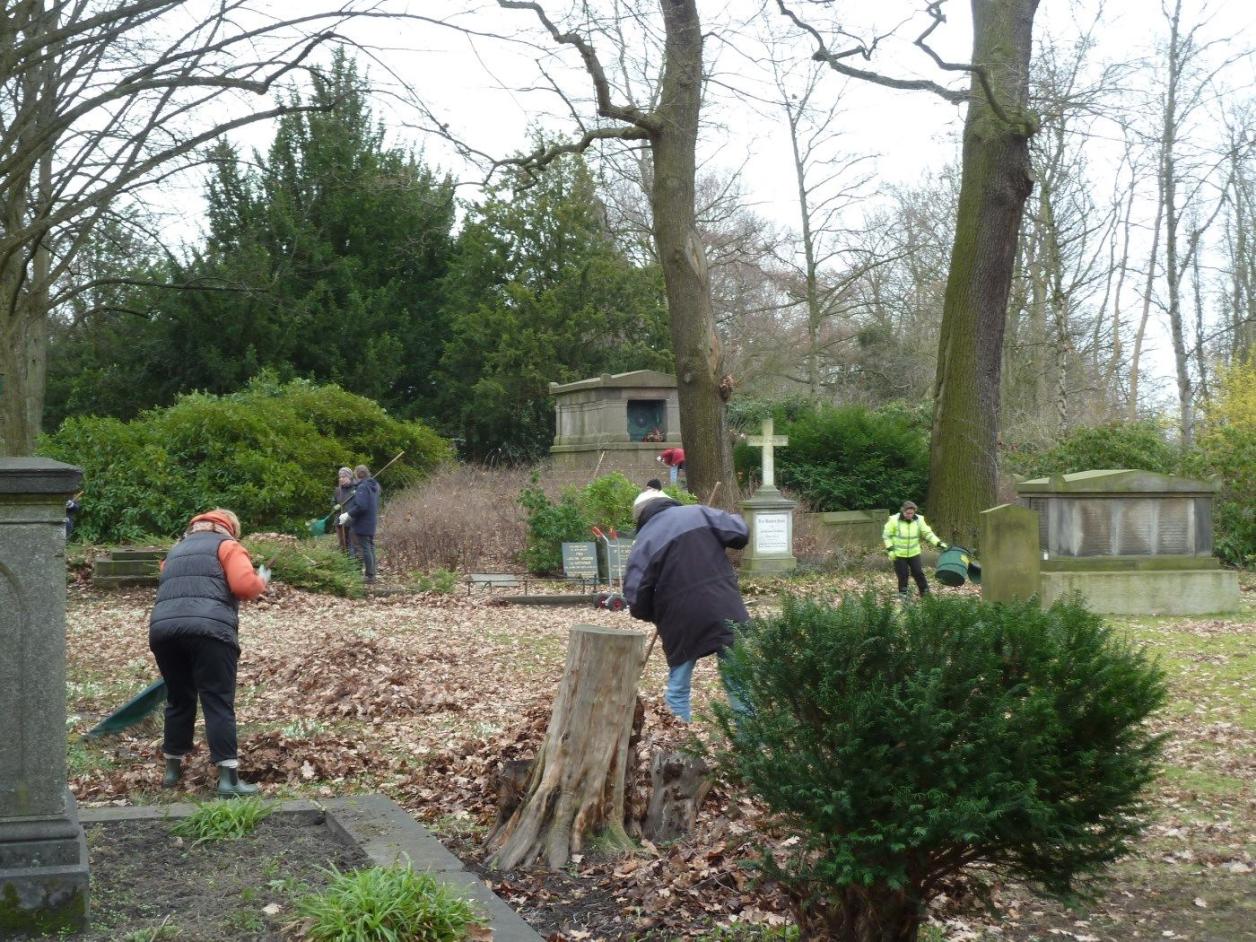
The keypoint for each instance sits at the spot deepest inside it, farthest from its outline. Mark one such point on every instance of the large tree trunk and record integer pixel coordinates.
(996, 181)
(23, 367)
(575, 790)
(702, 390)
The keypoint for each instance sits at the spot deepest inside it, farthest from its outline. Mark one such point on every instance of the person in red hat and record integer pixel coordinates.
(674, 458)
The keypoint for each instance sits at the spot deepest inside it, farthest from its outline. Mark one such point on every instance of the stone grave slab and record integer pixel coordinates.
(1009, 554)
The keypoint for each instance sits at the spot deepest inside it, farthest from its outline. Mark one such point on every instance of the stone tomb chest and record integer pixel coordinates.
(618, 422)
(1131, 542)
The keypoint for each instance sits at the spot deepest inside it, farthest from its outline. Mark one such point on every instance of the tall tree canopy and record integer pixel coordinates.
(540, 293)
(324, 259)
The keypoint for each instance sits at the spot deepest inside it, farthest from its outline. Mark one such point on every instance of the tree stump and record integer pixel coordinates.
(679, 783)
(575, 790)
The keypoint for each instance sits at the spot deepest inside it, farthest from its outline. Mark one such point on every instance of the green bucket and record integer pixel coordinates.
(955, 566)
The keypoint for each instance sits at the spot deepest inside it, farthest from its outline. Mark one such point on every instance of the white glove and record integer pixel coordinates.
(263, 573)
(343, 520)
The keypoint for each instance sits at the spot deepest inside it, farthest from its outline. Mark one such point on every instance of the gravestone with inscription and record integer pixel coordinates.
(769, 514)
(43, 852)
(580, 560)
(1130, 542)
(615, 554)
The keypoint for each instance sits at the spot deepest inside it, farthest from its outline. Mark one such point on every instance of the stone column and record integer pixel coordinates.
(1010, 557)
(43, 852)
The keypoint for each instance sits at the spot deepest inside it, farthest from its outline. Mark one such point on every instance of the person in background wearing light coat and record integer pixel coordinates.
(679, 577)
(339, 497)
(194, 636)
(901, 535)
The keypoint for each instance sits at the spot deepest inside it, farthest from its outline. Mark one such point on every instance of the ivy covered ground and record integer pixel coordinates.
(420, 696)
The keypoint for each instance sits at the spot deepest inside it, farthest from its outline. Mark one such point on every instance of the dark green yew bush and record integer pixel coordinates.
(269, 452)
(903, 746)
(847, 458)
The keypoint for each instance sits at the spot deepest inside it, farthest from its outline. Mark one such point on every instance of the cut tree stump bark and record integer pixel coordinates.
(575, 790)
(679, 783)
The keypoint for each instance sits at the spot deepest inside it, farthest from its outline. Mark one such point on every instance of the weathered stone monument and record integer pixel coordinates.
(769, 514)
(43, 852)
(615, 423)
(1010, 557)
(858, 530)
(1130, 542)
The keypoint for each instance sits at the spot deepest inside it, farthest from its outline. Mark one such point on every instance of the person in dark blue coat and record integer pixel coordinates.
(361, 515)
(679, 577)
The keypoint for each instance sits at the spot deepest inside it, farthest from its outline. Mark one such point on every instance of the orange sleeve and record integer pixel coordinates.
(241, 579)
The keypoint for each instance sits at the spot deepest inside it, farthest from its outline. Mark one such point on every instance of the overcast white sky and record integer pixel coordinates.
(489, 90)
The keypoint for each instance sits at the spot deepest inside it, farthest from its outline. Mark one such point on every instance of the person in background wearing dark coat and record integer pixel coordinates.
(72, 508)
(361, 515)
(679, 577)
(194, 635)
(339, 497)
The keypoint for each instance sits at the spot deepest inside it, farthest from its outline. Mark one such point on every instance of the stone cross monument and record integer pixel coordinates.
(768, 442)
(769, 515)
(43, 853)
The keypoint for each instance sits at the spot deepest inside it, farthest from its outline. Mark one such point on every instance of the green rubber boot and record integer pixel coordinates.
(174, 772)
(230, 786)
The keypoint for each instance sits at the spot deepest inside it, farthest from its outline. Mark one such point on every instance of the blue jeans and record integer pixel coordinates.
(366, 546)
(680, 683)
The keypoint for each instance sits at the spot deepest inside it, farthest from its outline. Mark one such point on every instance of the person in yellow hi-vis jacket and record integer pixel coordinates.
(901, 535)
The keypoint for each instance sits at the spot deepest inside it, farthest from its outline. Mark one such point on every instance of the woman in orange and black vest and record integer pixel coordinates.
(193, 634)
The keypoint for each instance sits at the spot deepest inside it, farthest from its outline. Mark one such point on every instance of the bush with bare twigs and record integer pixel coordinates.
(461, 518)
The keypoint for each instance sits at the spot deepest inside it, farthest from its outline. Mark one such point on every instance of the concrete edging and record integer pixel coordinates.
(386, 834)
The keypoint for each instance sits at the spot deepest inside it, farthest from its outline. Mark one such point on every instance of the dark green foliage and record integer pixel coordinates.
(549, 526)
(269, 453)
(313, 565)
(902, 746)
(538, 293)
(324, 259)
(605, 503)
(1137, 445)
(847, 458)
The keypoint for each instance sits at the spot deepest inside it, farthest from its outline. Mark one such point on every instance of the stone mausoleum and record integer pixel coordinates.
(615, 423)
(1131, 542)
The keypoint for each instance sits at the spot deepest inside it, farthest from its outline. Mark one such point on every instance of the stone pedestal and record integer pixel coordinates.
(43, 853)
(1010, 556)
(770, 517)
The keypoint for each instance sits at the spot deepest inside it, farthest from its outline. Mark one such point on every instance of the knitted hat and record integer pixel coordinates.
(644, 499)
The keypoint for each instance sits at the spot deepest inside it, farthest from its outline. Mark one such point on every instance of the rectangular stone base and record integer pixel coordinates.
(758, 565)
(1165, 592)
(43, 875)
